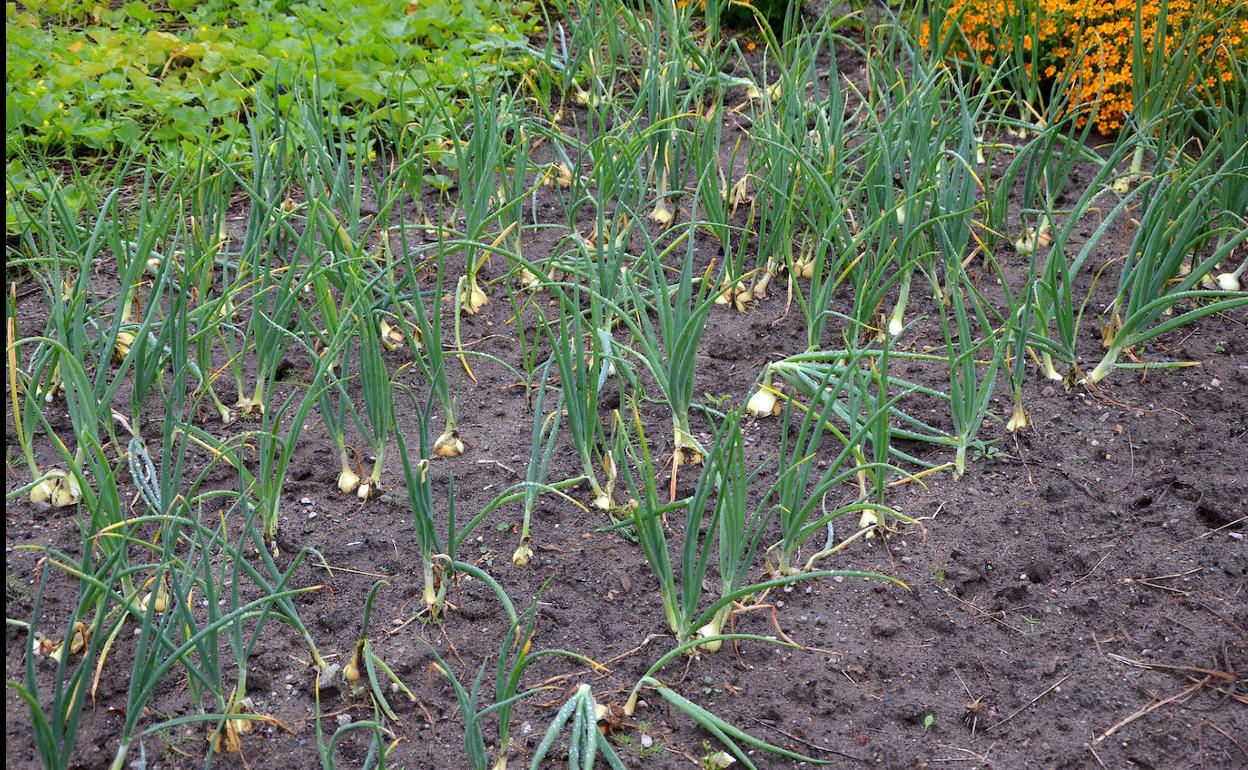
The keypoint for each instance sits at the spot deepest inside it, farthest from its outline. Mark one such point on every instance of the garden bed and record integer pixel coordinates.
(1077, 599)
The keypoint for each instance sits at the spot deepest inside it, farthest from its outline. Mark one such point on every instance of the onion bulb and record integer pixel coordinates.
(351, 671)
(41, 494)
(1018, 420)
(62, 492)
(736, 295)
(868, 519)
(473, 299)
(522, 556)
(558, 174)
(391, 337)
(738, 194)
(528, 280)
(121, 349)
(1231, 281)
(763, 403)
(662, 214)
(348, 481)
(448, 445)
(710, 629)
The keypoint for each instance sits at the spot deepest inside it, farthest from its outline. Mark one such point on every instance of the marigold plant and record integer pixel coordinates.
(1088, 44)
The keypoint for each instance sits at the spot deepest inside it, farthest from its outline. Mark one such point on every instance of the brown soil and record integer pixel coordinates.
(1078, 600)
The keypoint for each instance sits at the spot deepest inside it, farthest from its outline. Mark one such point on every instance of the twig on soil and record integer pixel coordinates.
(1131, 472)
(1228, 676)
(1228, 525)
(981, 612)
(1023, 707)
(1227, 736)
(1089, 572)
(325, 566)
(1238, 628)
(805, 743)
(1144, 711)
(1100, 396)
(1147, 581)
(972, 758)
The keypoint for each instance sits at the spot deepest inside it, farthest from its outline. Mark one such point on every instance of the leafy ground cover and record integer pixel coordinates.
(691, 398)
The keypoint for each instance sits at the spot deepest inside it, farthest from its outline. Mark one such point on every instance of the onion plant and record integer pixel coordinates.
(268, 239)
(375, 382)
(426, 345)
(1058, 309)
(969, 391)
(364, 668)
(800, 492)
(419, 485)
(728, 735)
(1163, 65)
(668, 345)
(916, 158)
(583, 359)
(206, 263)
(804, 134)
(804, 372)
(477, 161)
(542, 447)
(1175, 221)
(726, 526)
(515, 656)
(585, 740)
(378, 749)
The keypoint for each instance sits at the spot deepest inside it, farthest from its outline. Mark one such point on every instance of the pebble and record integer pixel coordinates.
(646, 741)
(344, 720)
(305, 500)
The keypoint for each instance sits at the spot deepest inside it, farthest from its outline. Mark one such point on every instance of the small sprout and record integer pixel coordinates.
(928, 721)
